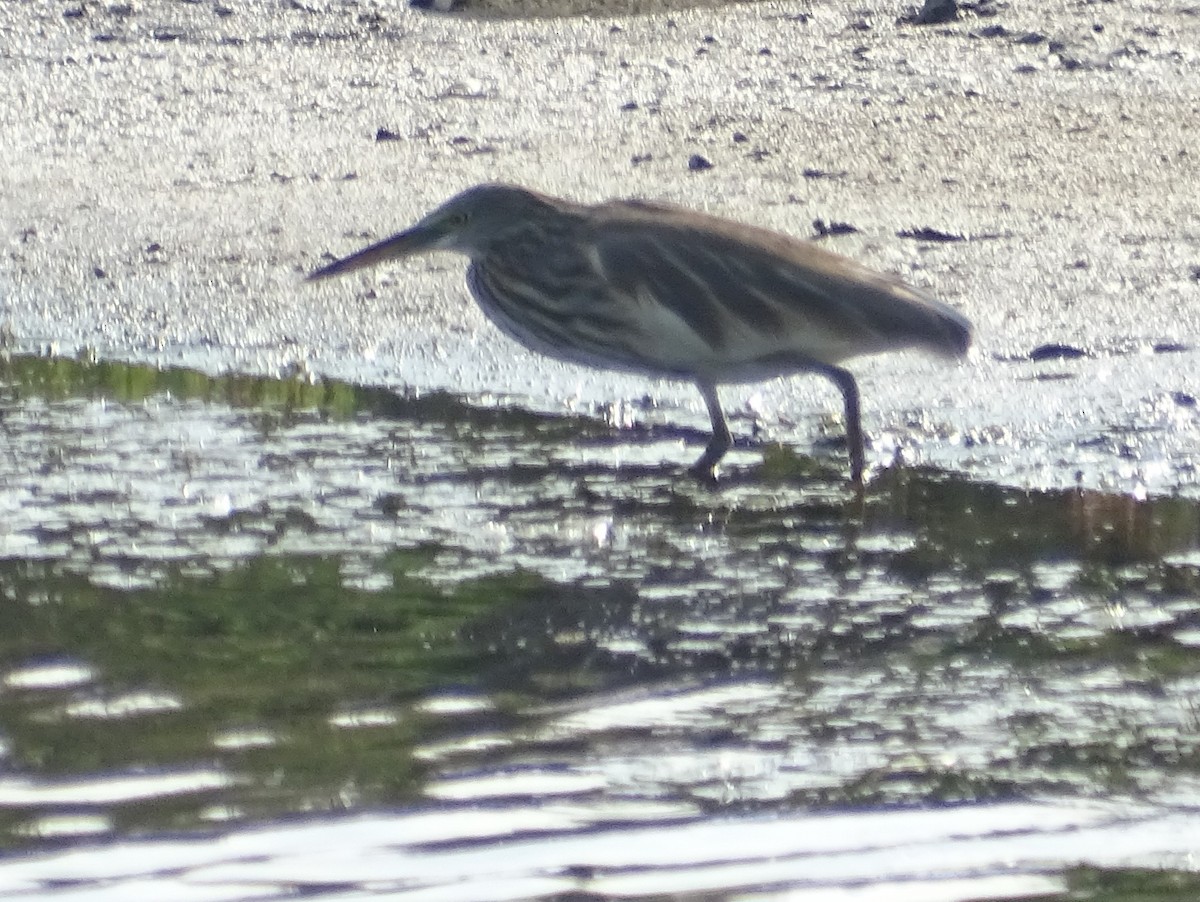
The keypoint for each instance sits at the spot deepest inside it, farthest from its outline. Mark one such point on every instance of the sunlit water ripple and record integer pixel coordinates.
(269, 637)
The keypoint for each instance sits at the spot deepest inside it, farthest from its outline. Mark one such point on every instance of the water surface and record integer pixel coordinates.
(263, 634)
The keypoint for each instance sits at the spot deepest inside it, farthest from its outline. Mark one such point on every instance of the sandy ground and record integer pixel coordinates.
(172, 169)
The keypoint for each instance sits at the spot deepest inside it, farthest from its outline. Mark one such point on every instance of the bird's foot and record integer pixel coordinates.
(704, 470)
(704, 473)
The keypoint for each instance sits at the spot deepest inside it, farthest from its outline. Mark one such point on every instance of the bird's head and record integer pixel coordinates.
(469, 223)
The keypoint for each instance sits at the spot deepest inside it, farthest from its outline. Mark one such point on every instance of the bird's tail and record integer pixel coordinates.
(935, 326)
(954, 333)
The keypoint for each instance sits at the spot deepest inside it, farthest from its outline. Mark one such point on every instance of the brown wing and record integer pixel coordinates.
(739, 286)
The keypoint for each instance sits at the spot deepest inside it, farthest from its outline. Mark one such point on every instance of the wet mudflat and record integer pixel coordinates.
(538, 669)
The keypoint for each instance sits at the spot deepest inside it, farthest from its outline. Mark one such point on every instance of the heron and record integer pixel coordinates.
(669, 292)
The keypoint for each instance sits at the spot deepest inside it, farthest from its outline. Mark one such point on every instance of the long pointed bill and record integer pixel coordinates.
(403, 244)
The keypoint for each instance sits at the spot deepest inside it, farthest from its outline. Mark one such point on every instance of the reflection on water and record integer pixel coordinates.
(227, 601)
(951, 853)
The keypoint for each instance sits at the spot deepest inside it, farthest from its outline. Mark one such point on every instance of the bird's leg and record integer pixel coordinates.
(854, 437)
(721, 441)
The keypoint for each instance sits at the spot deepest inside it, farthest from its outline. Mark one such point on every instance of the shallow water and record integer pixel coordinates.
(232, 602)
(271, 637)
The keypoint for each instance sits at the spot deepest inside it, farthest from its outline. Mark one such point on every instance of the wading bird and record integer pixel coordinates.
(667, 292)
